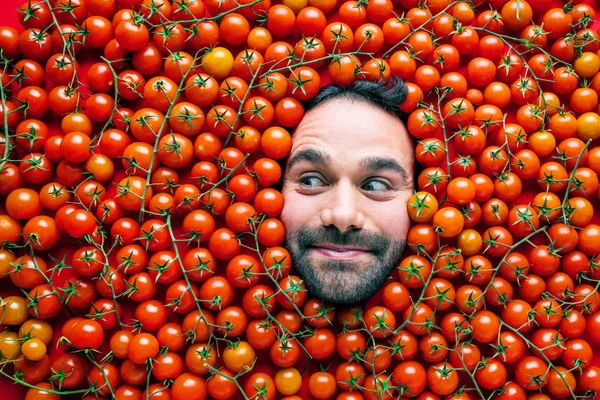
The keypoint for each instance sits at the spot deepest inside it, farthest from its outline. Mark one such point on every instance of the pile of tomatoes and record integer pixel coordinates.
(141, 155)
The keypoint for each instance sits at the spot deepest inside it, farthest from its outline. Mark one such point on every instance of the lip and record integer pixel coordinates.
(340, 249)
(340, 252)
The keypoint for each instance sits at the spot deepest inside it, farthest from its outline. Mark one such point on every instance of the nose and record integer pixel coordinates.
(343, 210)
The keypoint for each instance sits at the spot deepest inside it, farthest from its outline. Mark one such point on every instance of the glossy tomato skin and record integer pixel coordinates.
(188, 386)
(8, 38)
(87, 334)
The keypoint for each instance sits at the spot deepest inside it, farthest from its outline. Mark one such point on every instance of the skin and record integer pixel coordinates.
(334, 201)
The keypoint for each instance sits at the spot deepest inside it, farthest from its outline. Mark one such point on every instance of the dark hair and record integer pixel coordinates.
(387, 95)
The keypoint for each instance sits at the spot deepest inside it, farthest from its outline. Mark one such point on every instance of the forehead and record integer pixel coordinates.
(351, 129)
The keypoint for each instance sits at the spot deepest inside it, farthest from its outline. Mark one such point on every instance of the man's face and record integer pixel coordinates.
(346, 184)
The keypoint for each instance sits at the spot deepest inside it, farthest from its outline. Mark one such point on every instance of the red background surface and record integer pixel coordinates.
(12, 391)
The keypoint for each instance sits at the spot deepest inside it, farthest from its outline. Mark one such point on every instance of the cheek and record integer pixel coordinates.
(297, 210)
(392, 218)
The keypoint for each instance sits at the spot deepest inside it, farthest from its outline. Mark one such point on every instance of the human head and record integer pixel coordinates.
(347, 179)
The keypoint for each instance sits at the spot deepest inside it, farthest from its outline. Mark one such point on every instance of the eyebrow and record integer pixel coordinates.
(313, 156)
(370, 163)
(374, 163)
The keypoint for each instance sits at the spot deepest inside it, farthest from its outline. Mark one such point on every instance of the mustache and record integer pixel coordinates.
(376, 242)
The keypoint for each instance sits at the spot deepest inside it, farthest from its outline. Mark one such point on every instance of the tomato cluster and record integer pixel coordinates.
(140, 155)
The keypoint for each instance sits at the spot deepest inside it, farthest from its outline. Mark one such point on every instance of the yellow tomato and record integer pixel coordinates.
(36, 328)
(588, 126)
(587, 65)
(14, 311)
(469, 242)
(296, 5)
(33, 349)
(288, 381)
(10, 347)
(218, 62)
(323, 5)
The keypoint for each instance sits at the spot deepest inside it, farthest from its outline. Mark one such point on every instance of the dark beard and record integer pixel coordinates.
(341, 281)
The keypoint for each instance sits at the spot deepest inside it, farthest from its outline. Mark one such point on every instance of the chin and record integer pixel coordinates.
(339, 286)
(345, 300)
(346, 296)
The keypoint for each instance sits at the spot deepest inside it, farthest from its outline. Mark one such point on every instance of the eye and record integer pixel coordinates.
(310, 181)
(376, 185)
